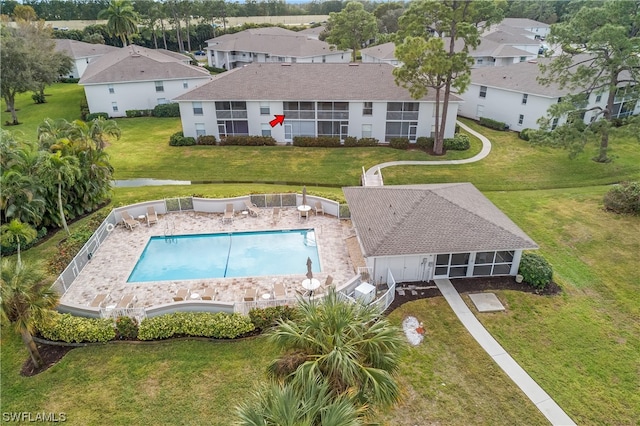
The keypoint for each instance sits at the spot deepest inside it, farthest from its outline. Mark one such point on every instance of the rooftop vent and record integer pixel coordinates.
(286, 65)
(353, 64)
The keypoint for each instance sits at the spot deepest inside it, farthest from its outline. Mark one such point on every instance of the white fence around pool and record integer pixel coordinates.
(205, 205)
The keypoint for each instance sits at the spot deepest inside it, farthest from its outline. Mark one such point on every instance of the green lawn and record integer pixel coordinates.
(581, 346)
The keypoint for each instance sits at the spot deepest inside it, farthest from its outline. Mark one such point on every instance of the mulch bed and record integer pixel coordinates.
(51, 354)
(420, 290)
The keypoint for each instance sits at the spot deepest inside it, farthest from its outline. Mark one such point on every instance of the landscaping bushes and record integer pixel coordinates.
(525, 134)
(178, 139)
(127, 327)
(460, 142)
(218, 325)
(267, 317)
(535, 270)
(623, 198)
(425, 143)
(167, 110)
(93, 116)
(493, 124)
(206, 140)
(399, 143)
(71, 329)
(131, 113)
(319, 142)
(248, 141)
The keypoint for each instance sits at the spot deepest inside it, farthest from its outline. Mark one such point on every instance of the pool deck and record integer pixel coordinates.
(112, 263)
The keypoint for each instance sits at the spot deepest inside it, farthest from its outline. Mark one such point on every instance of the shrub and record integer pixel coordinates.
(248, 140)
(127, 327)
(460, 142)
(525, 134)
(167, 110)
(493, 124)
(623, 198)
(139, 113)
(71, 329)
(368, 142)
(84, 108)
(350, 141)
(206, 140)
(425, 143)
(399, 143)
(321, 141)
(69, 80)
(218, 325)
(267, 317)
(93, 116)
(11, 248)
(68, 248)
(535, 270)
(214, 70)
(38, 98)
(178, 139)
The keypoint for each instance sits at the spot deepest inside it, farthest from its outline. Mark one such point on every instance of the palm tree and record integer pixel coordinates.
(24, 298)
(277, 404)
(122, 20)
(17, 232)
(63, 170)
(347, 344)
(20, 197)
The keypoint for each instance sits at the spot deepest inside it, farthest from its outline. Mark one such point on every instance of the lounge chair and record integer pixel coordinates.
(329, 282)
(99, 300)
(181, 295)
(129, 221)
(252, 208)
(318, 208)
(279, 291)
(152, 216)
(228, 213)
(209, 294)
(276, 214)
(250, 295)
(126, 301)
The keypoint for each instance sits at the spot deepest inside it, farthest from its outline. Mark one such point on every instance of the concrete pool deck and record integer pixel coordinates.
(112, 263)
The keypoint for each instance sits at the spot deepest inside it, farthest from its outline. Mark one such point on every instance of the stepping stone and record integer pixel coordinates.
(400, 292)
(486, 302)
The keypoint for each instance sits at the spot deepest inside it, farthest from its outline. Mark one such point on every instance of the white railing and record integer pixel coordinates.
(384, 301)
(380, 175)
(364, 177)
(138, 313)
(244, 307)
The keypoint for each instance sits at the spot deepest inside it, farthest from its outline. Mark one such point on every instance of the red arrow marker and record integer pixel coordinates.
(278, 120)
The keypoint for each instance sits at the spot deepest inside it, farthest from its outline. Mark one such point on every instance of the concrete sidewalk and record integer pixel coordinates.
(534, 392)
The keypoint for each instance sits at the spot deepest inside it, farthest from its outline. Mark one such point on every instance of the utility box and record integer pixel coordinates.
(365, 293)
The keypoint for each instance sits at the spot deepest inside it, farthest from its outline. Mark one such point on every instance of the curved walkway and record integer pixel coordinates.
(372, 174)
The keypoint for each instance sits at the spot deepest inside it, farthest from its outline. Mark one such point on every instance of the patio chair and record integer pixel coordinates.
(276, 215)
(181, 295)
(152, 216)
(128, 220)
(209, 294)
(318, 208)
(279, 291)
(99, 300)
(252, 208)
(127, 301)
(250, 295)
(228, 213)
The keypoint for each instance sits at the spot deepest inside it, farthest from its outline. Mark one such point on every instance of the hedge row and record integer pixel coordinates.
(248, 141)
(352, 141)
(268, 317)
(460, 142)
(493, 124)
(178, 139)
(71, 329)
(319, 142)
(219, 325)
(399, 143)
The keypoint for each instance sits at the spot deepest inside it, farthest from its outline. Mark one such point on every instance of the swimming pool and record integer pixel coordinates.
(237, 254)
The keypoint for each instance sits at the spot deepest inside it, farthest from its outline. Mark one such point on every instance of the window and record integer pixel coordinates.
(523, 58)
(299, 110)
(524, 99)
(161, 101)
(197, 108)
(333, 129)
(598, 97)
(367, 130)
(452, 265)
(235, 113)
(402, 120)
(367, 109)
(480, 111)
(266, 129)
(233, 127)
(264, 108)
(520, 119)
(114, 106)
(234, 109)
(185, 84)
(401, 129)
(483, 91)
(159, 86)
(554, 124)
(402, 110)
(493, 263)
(200, 129)
(559, 99)
(111, 89)
(479, 61)
(324, 59)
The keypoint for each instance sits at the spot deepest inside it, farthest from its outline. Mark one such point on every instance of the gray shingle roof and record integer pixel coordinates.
(427, 219)
(506, 35)
(305, 82)
(386, 51)
(524, 23)
(137, 63)
(520, 77)
(79, 49)
(275, 41)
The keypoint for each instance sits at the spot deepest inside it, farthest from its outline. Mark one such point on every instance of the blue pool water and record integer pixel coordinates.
(238, 254)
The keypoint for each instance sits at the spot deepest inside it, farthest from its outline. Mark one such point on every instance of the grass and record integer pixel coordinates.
(582, 346)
